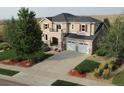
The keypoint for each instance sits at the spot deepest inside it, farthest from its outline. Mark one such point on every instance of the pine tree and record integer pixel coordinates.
(24, 34)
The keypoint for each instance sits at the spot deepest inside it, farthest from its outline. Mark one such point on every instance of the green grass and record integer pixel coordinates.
(87, 66)
(119, 79)
(8, 72)
(7, 55)
(64, 83)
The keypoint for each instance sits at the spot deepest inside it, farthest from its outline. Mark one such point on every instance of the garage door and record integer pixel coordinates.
(71, 46)
(82, 48)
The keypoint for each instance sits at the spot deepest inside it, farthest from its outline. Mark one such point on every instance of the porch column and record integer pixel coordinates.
(60, 45)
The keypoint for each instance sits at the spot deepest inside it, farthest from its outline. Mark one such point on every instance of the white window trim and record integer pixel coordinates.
(60, 25)
(81, 28)
(73, 26)
(46, 24)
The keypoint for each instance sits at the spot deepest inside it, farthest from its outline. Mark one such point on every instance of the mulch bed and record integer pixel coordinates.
(77, 74)
(24, 63)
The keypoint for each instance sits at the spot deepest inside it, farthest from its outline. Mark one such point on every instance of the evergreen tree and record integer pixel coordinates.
(113, 43)
(24, 34)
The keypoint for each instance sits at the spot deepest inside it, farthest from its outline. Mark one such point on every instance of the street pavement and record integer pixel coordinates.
(9, 83)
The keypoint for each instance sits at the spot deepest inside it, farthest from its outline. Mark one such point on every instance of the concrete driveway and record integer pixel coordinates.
(51, 69)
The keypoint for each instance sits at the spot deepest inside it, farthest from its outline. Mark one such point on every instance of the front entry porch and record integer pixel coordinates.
(55, 45)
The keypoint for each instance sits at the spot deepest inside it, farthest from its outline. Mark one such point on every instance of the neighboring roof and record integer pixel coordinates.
(76, 36)
(66, 17)
(38, 19)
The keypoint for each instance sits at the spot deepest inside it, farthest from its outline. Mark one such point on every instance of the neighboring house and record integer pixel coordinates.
(69, 32)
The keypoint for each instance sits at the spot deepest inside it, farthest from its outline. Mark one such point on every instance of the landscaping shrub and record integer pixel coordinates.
(106, 66)
(45, 48)
(19, 58)
(4, 46)
(105, 69)
(101, 52)
(96, 73)
(9, 54)
(39, 56)
(106, 73)
(100, 72)
(87, 66)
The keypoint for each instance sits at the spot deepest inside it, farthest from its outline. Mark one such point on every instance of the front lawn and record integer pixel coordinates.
(8, 72)
(119, 78)
(87, 66)
(64, 83)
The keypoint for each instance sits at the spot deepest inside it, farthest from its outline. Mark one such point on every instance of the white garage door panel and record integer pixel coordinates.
(82, 48)
(71, 46)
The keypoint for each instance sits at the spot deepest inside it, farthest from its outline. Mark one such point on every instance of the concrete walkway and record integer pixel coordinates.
(50, 70)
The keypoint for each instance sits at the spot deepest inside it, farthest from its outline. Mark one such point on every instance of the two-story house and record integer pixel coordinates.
(70, 32)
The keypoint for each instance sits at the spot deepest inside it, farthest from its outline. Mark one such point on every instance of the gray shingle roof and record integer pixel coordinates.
(66, 17)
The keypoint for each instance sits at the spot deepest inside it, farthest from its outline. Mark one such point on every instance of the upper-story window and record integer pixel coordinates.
(72, 26)
(84, 28)
(58, 26)
(46, 26)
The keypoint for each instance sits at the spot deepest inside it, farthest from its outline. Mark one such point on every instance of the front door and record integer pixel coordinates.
(54, 41)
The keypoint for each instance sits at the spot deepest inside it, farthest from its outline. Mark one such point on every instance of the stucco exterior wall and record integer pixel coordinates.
(76, 28)
(67, 28)
(90, 28)
(45, 21)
